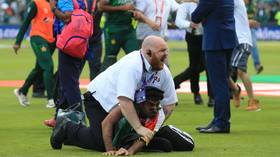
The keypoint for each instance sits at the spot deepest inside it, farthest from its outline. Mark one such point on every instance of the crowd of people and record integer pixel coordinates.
(12, 11)
(266, 12)
(128, 101)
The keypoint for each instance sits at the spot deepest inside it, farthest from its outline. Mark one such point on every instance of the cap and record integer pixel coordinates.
(148, 93)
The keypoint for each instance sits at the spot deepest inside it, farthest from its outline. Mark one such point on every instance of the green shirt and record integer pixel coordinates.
(251, 9)
(118, 20)
(31, 13)
(123, 129)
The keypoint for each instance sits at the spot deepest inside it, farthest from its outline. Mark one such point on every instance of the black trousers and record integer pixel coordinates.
(167, 139)
(196, 64)
(94, 58)
(170, 138)
(88, 137)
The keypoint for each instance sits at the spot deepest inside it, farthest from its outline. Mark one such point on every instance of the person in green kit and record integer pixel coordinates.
(118, 30)
(126, 141)
(43, 44)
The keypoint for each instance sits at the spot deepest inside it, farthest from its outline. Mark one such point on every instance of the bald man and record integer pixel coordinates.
(117, 86)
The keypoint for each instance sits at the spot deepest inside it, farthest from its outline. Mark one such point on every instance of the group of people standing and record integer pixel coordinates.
(211, 35)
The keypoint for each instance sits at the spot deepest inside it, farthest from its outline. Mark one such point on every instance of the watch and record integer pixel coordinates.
(53, 9)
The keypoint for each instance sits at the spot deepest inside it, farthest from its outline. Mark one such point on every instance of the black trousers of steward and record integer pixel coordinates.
(196, 64)
(88, 137)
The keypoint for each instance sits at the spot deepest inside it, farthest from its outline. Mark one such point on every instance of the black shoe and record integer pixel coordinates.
(59, 132)
(204, 127)
(39, 95)
(176, 84)
(215, 129)
(259, 69)
(197, 99)
(211, 102)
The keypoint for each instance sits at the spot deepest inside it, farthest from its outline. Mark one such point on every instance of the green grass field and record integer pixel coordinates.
(253, 134)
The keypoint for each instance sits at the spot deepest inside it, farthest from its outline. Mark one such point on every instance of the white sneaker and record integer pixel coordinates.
(50, 104)
(21, 98)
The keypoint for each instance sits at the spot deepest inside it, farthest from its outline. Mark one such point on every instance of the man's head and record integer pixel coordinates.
(155, 51)
(148, 101)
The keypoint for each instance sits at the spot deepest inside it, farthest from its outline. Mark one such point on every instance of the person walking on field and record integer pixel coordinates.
(240, 56)
(118, 30)
(43, 45)
(254, 24)
(196, 55)
(69, 67)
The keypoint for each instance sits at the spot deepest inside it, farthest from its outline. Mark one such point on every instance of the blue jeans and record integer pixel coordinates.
(255, 50)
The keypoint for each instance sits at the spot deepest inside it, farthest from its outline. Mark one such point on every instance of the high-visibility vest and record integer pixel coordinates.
(42, 23)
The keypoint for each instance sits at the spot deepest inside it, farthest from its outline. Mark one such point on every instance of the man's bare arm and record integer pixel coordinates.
(128, 111)
(107, 127)
(136, 147)
(138, 15)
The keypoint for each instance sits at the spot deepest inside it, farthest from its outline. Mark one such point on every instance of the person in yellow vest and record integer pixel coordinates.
(43, 44)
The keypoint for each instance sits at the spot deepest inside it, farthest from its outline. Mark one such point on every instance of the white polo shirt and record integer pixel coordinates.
(124, 77)
(241, 23)
(183, 17)
(151, 9)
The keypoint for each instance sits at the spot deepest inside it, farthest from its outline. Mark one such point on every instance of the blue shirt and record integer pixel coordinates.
(63, 6)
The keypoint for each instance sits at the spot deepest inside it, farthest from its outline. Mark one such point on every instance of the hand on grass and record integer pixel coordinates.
(109, 153)
(122, 152)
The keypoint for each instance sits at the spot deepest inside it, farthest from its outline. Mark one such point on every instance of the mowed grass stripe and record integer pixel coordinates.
(253, 134)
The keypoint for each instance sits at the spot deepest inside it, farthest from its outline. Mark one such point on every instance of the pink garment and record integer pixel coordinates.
(73, 39)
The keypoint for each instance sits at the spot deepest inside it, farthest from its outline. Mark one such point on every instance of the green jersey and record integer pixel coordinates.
(118, 20)
(123, 129)
(251, 9)
(31, 13)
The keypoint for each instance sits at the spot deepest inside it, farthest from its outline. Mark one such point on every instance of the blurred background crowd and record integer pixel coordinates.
(13, 11)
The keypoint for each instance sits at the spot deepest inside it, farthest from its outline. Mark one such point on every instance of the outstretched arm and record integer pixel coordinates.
(107, 128)
(31, 13)
(130, 114)
(107, 131)
(138, 15)
(136, 147)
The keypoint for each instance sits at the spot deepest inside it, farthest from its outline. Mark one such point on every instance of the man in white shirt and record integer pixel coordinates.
(240, 56)
(155, 10)
(117, 86)
(196, 57)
